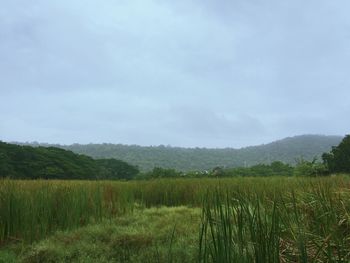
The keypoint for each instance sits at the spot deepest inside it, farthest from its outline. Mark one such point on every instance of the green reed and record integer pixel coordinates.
(309, 223)
(31, 210)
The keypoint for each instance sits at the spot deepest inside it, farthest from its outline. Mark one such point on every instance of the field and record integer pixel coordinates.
(273, 219)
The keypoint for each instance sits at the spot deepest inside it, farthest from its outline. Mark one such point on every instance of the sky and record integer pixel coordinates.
(191, 73)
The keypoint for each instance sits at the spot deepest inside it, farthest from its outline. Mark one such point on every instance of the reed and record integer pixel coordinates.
(309, 223)
(249, 219)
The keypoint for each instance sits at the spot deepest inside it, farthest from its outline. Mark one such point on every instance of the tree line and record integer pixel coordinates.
(336, 161)
(26, 162)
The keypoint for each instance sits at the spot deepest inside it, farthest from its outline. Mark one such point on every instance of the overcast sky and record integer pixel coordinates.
(206, 73)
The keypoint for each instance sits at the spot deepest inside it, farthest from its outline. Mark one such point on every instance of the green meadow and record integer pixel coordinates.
(250, 219)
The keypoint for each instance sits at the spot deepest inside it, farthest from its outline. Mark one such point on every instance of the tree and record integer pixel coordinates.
(159, 172)
(306, 168)
(282, 169)
(116, 169)
(338, 160)
(218, 172)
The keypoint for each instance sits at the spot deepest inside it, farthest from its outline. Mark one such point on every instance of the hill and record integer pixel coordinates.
(286, 150)
(26, 162)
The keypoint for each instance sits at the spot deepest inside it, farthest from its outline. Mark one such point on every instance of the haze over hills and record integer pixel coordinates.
(147, 157)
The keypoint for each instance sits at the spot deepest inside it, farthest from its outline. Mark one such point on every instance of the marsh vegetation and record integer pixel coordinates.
(250, 219)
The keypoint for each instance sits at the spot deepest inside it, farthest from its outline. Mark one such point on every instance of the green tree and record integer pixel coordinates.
(116, 169)
(307, 168)
(218, 172)
(280, 168)
(338, 160)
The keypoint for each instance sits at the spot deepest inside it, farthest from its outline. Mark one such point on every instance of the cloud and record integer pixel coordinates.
(195, 73)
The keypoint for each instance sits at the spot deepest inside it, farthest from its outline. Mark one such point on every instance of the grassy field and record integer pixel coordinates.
(270, 219)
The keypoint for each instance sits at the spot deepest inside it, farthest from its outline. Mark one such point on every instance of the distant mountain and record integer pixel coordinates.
(286, 150)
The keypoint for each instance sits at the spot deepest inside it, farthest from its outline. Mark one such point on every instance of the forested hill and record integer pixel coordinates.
(185, 159)
(26, 162)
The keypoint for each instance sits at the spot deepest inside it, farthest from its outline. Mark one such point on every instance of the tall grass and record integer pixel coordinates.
(283, 226)
(251, 211)
(30, 210)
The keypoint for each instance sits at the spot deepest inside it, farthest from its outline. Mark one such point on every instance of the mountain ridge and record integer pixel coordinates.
(146, 158)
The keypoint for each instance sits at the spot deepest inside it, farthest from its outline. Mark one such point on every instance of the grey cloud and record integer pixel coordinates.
(215, 127)
(195, 73)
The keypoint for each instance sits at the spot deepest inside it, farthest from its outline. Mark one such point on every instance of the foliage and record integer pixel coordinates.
(274, 169)
(26, 162)
(201, 159)
(116, 169)
(218, 172)
(338, 160)
(303, 168)
(313, 168)
(159, 172)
